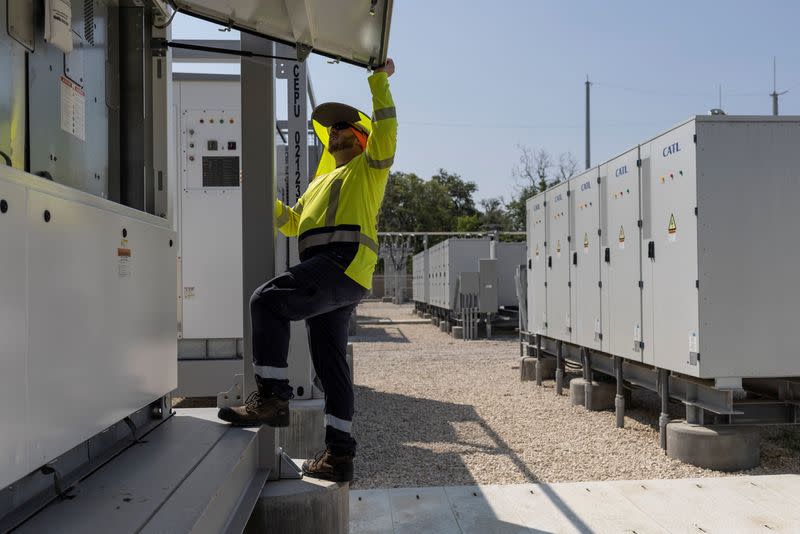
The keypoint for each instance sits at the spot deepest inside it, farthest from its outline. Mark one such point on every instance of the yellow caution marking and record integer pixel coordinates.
(586, 240)
(558, 246)
(621, 235)
(672, 227)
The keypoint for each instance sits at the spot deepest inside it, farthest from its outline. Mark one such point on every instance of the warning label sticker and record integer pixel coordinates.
(672, 228)
(586, 243)
(73, 109)
(621, 241)
(536, 253)
(558, 248)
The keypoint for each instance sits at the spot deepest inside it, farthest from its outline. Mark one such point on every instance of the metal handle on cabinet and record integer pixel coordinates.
(550, 261)
(608, 255)
(651, 250)
(574, 258)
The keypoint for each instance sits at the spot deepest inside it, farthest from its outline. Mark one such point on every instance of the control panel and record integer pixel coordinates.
(211, 149)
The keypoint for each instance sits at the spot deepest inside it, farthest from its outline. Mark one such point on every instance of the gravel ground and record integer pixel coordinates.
(431, 410)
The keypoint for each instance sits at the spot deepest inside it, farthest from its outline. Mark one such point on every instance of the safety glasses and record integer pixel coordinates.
(341, 126)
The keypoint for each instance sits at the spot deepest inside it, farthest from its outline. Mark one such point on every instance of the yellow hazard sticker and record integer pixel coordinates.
(537, 250)
(621, 239)
(558, 248)
(586, 241)
(672, 228)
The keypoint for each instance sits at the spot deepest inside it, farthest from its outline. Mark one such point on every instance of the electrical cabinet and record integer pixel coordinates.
(420, 278)
(559, 319)
(669, 249)
(210, 182)
(697, 254)
(585, 265)
(537, 222)
(621, 256)
(87, 312)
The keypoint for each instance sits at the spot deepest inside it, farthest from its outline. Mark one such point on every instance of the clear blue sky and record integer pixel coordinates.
(476, 79)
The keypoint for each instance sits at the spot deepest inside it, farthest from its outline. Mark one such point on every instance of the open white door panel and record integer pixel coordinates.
(352, 31)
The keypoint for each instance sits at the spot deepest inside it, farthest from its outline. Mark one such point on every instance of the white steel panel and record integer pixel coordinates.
(585, 274)
(621, 295)
(669, 210)
(559, 320)
(748, 177)
(13, 335)
(537, 221)
(212, 264)
(509, 257)
(102, 330)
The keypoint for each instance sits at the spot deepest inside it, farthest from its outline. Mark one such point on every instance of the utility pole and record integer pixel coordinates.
(775, 94)
(588, 142)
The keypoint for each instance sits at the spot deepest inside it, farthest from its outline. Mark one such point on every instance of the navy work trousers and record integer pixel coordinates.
(318, 291)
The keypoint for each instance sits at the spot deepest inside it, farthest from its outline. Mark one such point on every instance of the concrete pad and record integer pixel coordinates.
(599, 507)
(722, 448)
(788, 486)
(302, 506)
(418, 510)
(731, 504)
(370, 512)
(481, 509)
(723, 504)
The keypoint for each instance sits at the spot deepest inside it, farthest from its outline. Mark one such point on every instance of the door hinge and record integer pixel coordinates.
(641, 284)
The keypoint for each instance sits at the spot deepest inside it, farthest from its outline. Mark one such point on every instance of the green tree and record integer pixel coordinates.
(459, 190)
(494, 215)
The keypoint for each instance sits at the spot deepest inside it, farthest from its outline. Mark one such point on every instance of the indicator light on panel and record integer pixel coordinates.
(231, 121)
(202, 121)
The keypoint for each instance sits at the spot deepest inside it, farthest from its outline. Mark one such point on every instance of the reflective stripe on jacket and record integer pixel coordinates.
(341, 206)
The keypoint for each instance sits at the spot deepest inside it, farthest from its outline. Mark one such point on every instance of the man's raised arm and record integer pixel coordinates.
(382, 142)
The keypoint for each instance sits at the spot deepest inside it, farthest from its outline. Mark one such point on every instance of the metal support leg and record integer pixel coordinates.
(586, 358)
(619, 400)
(663, 379)
(559, 367)
(694, 415)
(539, 370)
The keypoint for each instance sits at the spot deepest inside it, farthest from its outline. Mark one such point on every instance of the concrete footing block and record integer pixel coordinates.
(426, 315)
(527, 369)
(718, 447)
(457, 332)
(545, 368)
(305, 435)
(577, 393)
(302, 506)
(444, 326)
(435, 321)
(603, 396)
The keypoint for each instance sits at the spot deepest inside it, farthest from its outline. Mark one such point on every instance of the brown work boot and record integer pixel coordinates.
(329, 466)
(259, 409)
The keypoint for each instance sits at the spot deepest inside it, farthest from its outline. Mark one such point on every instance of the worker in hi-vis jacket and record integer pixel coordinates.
(335, 221)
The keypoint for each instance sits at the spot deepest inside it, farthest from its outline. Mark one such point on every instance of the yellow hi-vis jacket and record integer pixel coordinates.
(341, 204)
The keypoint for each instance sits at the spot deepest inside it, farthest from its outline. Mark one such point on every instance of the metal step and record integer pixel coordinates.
(191, 474)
